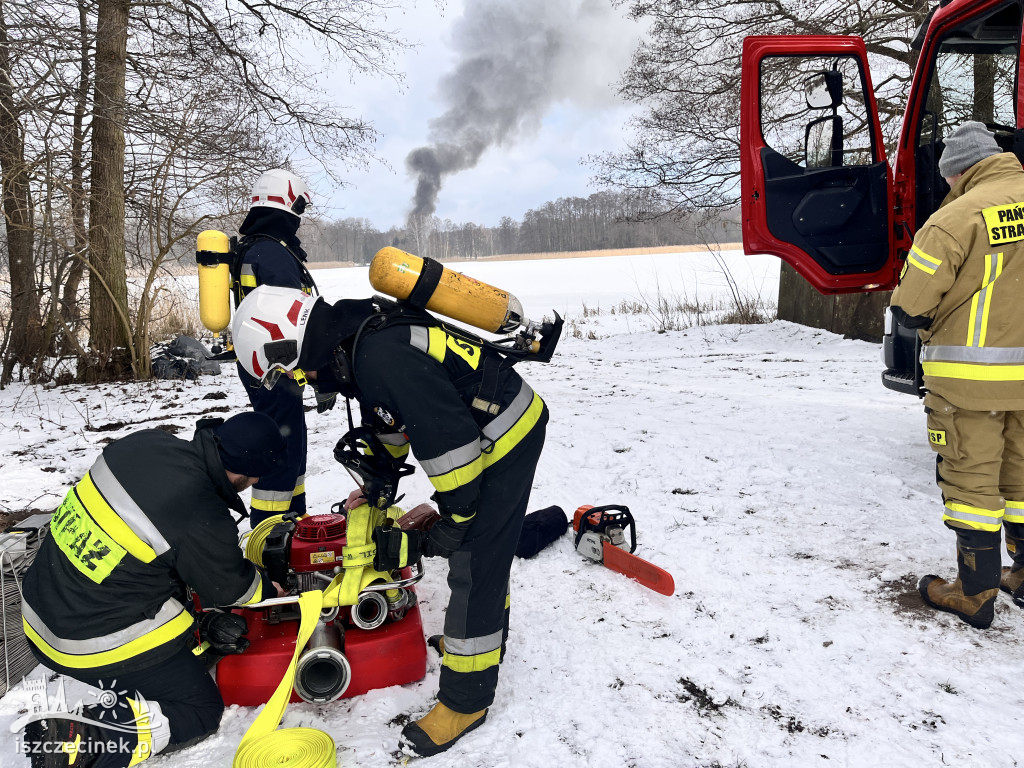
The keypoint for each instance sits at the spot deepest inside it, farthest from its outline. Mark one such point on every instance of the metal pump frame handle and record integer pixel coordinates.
(416, 575)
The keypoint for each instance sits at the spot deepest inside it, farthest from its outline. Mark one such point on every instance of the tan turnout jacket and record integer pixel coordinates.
(965, 271)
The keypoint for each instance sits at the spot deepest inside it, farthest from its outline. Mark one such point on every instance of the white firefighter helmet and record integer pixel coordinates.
(267, 331)
(281, 189)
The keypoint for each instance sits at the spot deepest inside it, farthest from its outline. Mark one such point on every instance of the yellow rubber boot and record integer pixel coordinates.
(438, 730)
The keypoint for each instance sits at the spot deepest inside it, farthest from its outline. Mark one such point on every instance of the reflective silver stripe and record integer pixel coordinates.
(247, 270)
(300, 480)
(967, 517)
(951, 354)
(159, 727)
(272, 495)
(507, 419)
(250, 593)
(168, 612)
(393, 438)
(446, 462)
(419, 337)
(472, 646)
(983, 300)
(126, 508)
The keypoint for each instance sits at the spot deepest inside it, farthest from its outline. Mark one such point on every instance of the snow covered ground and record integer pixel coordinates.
(790, 495)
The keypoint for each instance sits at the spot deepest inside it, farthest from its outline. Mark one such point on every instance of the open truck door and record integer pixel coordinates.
(816, 186)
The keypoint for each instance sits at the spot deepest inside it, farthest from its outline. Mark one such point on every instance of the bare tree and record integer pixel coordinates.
(109, 326)
(22, 338)
(686, 76)
(158, 115)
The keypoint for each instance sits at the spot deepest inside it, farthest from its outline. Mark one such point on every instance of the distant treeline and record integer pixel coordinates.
(602, 220)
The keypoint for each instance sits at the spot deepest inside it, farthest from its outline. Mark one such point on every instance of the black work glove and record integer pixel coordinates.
(223, 631)
(396, 548)
(445, 537)
(325, 401)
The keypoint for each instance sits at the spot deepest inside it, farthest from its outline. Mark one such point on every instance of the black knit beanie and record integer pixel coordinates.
(250, 444)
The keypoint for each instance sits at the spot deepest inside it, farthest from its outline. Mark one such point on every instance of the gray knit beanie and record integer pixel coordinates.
(971, 143)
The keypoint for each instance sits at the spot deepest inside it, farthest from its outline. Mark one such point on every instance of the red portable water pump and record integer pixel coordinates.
(377, 642)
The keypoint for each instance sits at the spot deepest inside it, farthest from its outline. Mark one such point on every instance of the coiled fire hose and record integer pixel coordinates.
(263, 745)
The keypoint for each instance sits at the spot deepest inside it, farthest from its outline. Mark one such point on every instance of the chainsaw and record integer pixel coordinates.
(601, 537)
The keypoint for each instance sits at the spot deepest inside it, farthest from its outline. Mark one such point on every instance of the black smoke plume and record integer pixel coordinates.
(516, 59)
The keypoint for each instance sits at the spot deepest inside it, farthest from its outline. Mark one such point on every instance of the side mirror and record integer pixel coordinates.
(824, 90)
(823, 143)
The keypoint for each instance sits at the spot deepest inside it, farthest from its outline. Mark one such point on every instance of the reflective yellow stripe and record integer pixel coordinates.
(397, 451)
(248, 281)
(977, 518)
(299, 489)
(981, 302)
(923, 261)
(460, 476)
(463, 518)
(437, 343)
(178, 625)
(1014, 512)
(476, 663)
(144, 749)
(986, 299)
(254, 592)
(519, 430)
(83, 542)
(270, 506)
(468, 352)
(974, 372)
(508, 601)
(109, 520)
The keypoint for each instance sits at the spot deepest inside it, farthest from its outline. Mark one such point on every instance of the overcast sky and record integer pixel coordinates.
(502, 99)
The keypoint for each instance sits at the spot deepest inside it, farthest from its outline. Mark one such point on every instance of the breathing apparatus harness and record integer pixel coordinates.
(359, 450)
(238, 249)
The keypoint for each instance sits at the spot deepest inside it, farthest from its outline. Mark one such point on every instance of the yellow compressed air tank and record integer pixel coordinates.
(213, 258)
(426, 283)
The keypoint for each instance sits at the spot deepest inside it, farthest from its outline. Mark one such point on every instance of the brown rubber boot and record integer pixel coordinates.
(438, 730)
(972, 597)
(1012, 580)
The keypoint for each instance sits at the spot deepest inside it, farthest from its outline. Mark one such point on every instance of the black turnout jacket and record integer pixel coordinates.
(107, 591)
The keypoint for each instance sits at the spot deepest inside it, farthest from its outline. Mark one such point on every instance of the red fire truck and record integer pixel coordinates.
(817, 187)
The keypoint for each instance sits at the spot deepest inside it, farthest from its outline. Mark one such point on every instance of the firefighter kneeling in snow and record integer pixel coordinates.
(962, 288)
(477, 430)
(106, 599)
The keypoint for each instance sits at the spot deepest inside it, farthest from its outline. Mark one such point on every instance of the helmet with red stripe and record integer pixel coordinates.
(267, 331)
(281, 189)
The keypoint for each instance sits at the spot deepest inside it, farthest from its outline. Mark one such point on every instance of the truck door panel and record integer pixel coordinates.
(837, 214)
(824, 210)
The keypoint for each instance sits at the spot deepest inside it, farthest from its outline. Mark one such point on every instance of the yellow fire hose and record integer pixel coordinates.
(263, 745)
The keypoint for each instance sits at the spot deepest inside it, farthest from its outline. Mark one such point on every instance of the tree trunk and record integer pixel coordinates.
(25, 327)
(69, 298)
(854, 315)
(109, 332)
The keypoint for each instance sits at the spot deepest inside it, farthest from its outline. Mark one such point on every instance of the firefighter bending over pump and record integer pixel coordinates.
(476, 429)
(108, 596)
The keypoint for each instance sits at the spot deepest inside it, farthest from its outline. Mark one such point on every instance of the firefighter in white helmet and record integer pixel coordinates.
(269, 253)
(476, 429)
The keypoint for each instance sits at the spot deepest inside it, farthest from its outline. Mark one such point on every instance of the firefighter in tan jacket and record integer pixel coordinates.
(962, 288)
